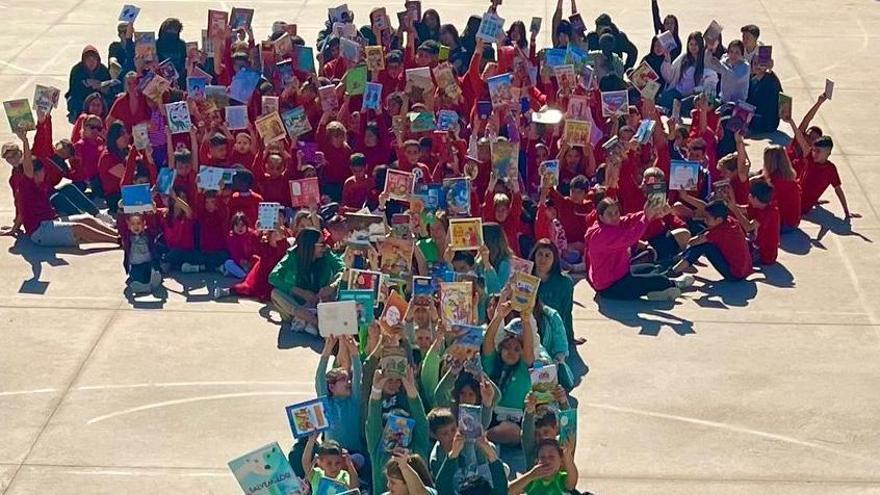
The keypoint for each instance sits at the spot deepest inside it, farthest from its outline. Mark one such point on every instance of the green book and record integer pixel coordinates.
(19, 114)
(784, 106)
(356, 80)
(567, 421)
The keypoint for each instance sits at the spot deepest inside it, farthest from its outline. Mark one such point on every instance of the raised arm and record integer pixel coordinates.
(812, 112)
(655, 15)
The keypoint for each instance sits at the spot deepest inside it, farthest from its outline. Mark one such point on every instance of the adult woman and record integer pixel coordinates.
(685, 74)
(308, 274)
(495, 257)
(779, 173)
(516, 36)
(556, 289)
(429, 27)
(170, 46)
(608, 253)
(670, 23)
(734, 71)
(85, 78)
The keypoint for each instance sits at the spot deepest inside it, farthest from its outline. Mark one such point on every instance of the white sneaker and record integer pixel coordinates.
(188, 268)
(220, 292)
(106, 219)
(669, 294)
(683, 281)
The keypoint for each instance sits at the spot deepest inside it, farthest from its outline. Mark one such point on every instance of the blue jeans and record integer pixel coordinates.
(70, 200)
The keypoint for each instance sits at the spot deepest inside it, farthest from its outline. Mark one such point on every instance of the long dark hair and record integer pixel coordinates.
(307, 266)
(546, 244)
(521, 27)
(452, 30)
(689, 60)
(116, 130)
(469, 35)
(496, 241)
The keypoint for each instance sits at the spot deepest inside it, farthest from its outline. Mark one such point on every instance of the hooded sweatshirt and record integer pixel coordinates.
(608, 249)
(79, 74)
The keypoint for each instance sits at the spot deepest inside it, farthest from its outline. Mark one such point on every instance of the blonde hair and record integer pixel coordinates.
(728, 162)
(336, 129)
(776, 161)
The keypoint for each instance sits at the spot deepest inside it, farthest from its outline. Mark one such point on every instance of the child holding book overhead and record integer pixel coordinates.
(407, 474)
(342, 387)
(818, 174)
(554, 474)
(723, 244)
(465, 461)
(778, 173)
(331, 461)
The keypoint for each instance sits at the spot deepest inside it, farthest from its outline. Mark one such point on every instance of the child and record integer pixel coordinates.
(780, 175)
(212, 221)
(356, 189)
(762, 218)
(540, 424)
(244, 199)
(273, 184)
(343, 392)
(178, 229)
(466, 460)
(331, 138)
(240, 243)
(506, 209)
(723, 244)
(141, 257)
(818, 174)
(331, 461)
(406, 474)
(555, 473)
(88, 149)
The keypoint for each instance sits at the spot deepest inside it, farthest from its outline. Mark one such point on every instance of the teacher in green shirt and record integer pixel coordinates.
(556, 289)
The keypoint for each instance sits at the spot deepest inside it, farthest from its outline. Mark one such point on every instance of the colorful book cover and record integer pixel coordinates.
(421, 122)
(414, 9)
(243, 85)
(465, 234)
(667, 40)
(394, 366)
(269, 104)
(577, 23)
(356, 80)
(129, 13)
(155, 87)
(763, 56)
(612, 146)
(655, 193)
(338, 318)
(284, 69)
(195, 87)
(379, 19)
(350, 50)
(740, 117)
(375, 56)
(217, 22)
(209, 178)
(393, 312)
(267, 216)
(179, 120)
(645, 130)
(683, 175)
(447, 81)
(339, 14)
(305, 58)
(549, 172)
(283, 46)
(499, 89)
(457, 196)
(535, 25)
(165, 180)
(140, 134)
(456, 302)
(503, 154)
(398, 432)
(566, 419)
(372, 96)
(266, 471)
(649, 92)
(145, 45)
(642, 75)
(364, 228)
(712, 32)
(784, 106)
(296, 122)
(491, 28)
(401, 226)
(270, 127)
(396, 256)
(347, 31)
(365, 280)
(136, 198)
(576, 57)
(217, 95)
(167, 70)
(468, 340)
(544, 381)
(577, 132)
(45, 98)
(364, 300)
(554, 57)
(470, 421)
(578, 108)
(329, 486)
(308, 417)
(523, 290)
(519, 265)
(329, 100)
(422, 291)
(399, 123)
(586, 77)
(566, 77)
(399, 184)
(446, 119)
(236, 117)
(305, 193)
(614, 103)
(241, 18)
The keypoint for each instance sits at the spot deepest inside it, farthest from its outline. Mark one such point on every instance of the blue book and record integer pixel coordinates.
(308, 417)
(136, 198)
(329, 486)
(469, 337)
(285, 71)
(484, 109)
(446, 119)
(398, 432)
(266, 470)
(457, 194)
(243, 85)
(431, 195)
(305, 58)
(554, 57)
(364, 300)
(684, 175)
(373, 96)
(195, 87)
(646, 128)
(422, 290)
(165, 181)
(577, 57)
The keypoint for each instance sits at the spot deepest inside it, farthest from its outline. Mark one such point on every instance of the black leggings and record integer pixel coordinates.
(636, 285)
(713, 254)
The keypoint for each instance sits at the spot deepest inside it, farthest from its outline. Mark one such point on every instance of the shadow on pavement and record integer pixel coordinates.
(630, 313)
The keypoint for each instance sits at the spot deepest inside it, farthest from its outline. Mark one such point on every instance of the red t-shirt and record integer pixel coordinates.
(213, 228)
(32, 203)
(248, 203)
(356, 190)
(179, 232)
(122, 111)
(787, 196)
(815, 180)
(660, 226)
(275, 189)
(731, 241)
(767, 239)
(571, 215)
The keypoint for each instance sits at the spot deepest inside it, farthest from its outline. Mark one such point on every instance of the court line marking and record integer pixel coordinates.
(33, 79)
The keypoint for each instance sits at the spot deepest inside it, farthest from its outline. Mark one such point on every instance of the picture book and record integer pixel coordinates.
(195, 87)
(577, 23)
(296, 122)
(576, 57)
(365, 280)
(499, 89)
(484, 109)
(209, 178)
(614, 103)
(217, 95)
(394, 366)
(329, 100)
(535, 25)
(305, 193)
(140, 135)
(667, 39)
(612, 146)
(375, 56)
(241, 18)
(398, 432)
(447, 81)
(18, 112)
(468, 340)
(393, 312)
(236, 117)
(399, 184)
(722, 188)
(269, 104)
(566, 420)
(642, 74)
(504, 154)
(136, 198)
(470, 421)
(267, 216)
(465, 234)
(363, 300)
(129, 13)
(329, 486)
(379, 19)
(457, 196)
(179, 120)
(270, 127)
(155, 86)
(523, 290)
(421, 122)
(740, 117)
(45, 98)
(339, 14)
(167, 70)
(422, 291)
(145, 45)
(266, 471)
(396, 256)
(784, 106)
(655, 194)
(217, 22)
(565, 76)
(308, 417)
(577, 132)
(649, 92)
(683, 175)
(578, 108)
(420, 82)
(676, 110)
(544, 381)
(645, 130)
(456, 302)
(337, 318)
(519, 265)
(399, 123)
(446, 119)
(305, 58)
(165, 180)
(491, 28)
(283, 46)
(350, 50)
(414, 9)
(763, 56)
(364, 228)
(829, 88)
(401, 226)
(712, 32)
(549, 172)
(554, 57)
(284, 69)
(243, 85)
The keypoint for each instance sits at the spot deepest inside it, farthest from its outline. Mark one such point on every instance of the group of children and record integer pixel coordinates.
(483, 163)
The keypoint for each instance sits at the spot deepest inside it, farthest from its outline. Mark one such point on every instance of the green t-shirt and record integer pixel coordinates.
(514, 387)
(429, 249)
(318, 473)
(553, 486)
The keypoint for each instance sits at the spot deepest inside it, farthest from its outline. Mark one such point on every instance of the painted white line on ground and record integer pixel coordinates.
(27, 392)
(117, 472)
(310, 385)
(19, 91)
